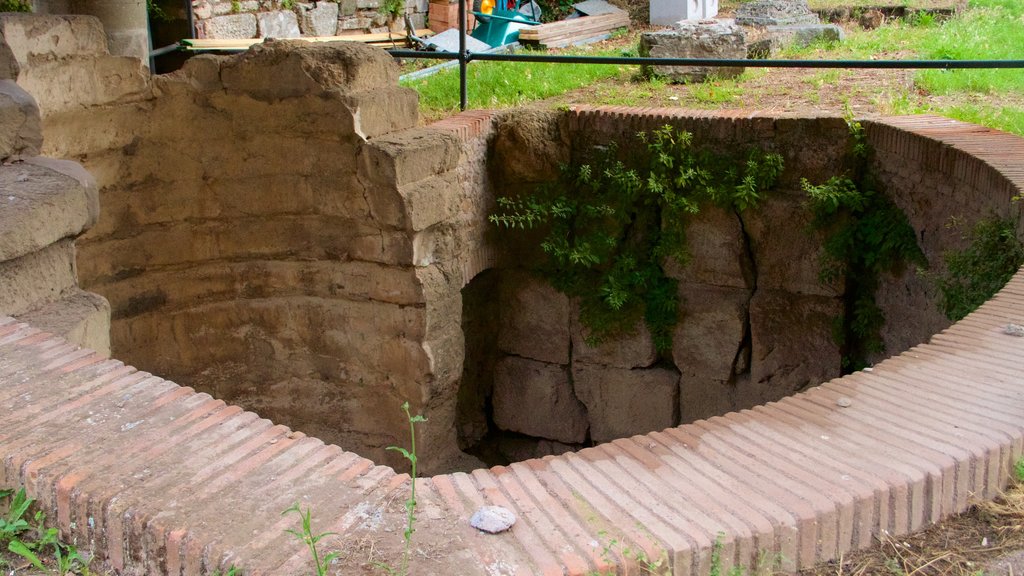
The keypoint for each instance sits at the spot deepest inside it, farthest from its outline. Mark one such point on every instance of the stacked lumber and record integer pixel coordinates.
(382, 39)
(573, 30)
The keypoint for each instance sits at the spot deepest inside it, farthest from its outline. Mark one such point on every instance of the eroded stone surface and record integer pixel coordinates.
(278, 24)
(20, 128)
(320, 19)
(714, 39)
(536, 398)
(623, 402)
(534, 319)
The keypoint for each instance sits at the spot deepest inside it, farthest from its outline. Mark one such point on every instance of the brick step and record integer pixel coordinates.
(81, 317)
(37, 278)
(43, 201)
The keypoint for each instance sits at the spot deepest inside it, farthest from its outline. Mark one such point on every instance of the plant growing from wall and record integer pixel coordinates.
(392, 8)
(866, 236)
(611, 225)
(974, 274)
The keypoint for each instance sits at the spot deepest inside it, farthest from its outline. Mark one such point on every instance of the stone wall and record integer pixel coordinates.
(45, 204)
(259, 19)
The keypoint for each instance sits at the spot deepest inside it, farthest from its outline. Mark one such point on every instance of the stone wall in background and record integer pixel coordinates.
(276, 19)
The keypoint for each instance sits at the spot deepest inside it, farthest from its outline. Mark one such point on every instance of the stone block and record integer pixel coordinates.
(272, 71)
(775, 13)
(409, 156)
(536, 399)
(20, 127)
(278, 24)
(320, 19)
(347, 7)
(785, 249)
(384, 110)
(83, 318)
(700, 399)
(791, 345)
(633, 350)
(695, 39)
(43, 204)
(34, 38)
(36, 278)
(230, 26)
(534, 318)
(74, 84)
(768, 40)
(623, 402)
(717, 248)
(710, 332)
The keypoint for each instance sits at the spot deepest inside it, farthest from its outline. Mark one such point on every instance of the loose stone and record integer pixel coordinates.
(492, 519)
(844, 402)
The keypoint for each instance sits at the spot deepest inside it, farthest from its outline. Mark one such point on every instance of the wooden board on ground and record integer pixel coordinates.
(567, 32)
(243, 44)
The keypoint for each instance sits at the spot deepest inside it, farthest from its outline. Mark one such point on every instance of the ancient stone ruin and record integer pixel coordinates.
(277, 230)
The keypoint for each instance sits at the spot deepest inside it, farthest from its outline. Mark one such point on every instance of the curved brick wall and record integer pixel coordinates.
(804, 477)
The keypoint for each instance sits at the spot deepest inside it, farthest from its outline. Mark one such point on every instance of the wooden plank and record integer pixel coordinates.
(604, 23)
(581, 33)
(242, 44)
(589, 23)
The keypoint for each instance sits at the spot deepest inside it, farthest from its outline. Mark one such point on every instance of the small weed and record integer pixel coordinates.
(232, 571)
(647, 566)
(34, 541)
(236, 6)
(1018, 470)
(410, 504)
(287, 4)
(311, 540)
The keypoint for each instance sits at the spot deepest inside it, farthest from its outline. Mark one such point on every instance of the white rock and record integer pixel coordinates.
(1014, 330)
(492, 519)
(844, 402)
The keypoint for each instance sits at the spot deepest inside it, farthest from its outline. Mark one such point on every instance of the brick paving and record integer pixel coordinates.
(162, 480)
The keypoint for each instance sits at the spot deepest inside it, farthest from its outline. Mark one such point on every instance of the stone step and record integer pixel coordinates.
(81, 317)
(20, 129)
(37, 278)
(43, 201)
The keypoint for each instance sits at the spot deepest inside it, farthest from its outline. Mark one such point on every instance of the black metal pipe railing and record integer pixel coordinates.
(720, 62)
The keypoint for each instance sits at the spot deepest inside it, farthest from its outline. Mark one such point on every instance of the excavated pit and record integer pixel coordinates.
(319, 258)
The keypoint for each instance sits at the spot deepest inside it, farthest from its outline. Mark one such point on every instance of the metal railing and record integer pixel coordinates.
(464, 57)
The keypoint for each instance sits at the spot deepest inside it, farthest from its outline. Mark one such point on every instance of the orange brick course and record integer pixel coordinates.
(162, 480)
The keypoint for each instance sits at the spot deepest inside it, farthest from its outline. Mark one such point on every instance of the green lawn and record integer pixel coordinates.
(988, 29)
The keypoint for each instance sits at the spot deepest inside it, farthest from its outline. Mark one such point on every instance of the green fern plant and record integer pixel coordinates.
(611, 224)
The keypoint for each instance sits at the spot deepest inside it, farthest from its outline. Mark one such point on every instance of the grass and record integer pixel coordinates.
(988, 29)
(960, 546)
(508, 84)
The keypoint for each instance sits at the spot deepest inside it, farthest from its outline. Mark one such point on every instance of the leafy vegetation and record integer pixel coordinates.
(993, 254)
(866, 236)
(32, 540)
(311, 540)
(15, 6)
(505, 84)
(610, 225)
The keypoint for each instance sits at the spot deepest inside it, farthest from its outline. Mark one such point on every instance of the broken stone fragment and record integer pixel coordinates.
(492, 519)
